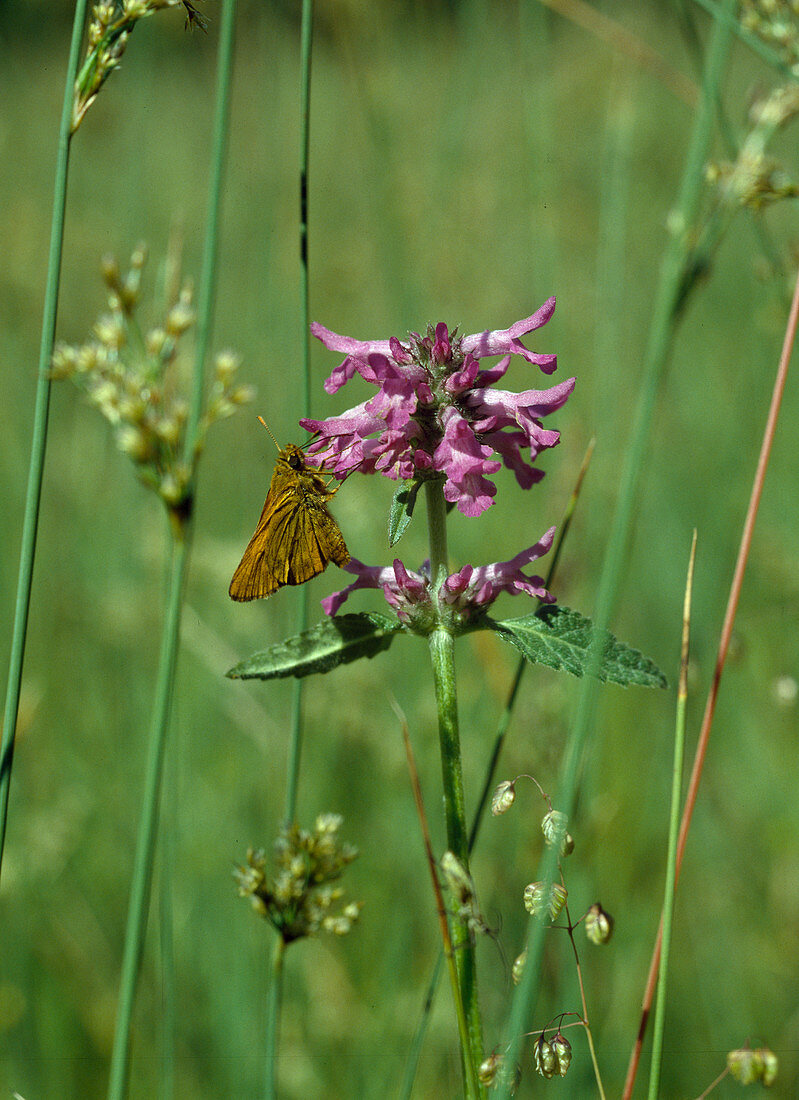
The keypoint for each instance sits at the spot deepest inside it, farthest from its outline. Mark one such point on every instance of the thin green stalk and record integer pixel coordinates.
(206, 293)
(668, 294)
(180, 528)
(39, 438)
(275, 993)
(148, 822)
(166, 922)
(736, 586)
(442, 655)
(274, 1004)
(436, 530)
(306, 44)
(674, 828)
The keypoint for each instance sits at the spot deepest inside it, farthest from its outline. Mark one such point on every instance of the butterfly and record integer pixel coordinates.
(296, 536)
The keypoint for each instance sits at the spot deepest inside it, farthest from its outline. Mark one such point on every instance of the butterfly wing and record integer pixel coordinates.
(296, 535)
(255, 576)
(317, 541)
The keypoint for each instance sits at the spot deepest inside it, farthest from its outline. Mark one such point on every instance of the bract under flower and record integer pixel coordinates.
(435, 412)
(463, 594)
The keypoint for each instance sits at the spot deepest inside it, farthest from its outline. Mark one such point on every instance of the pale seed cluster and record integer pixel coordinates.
(775, 22)
(756, 179)
(299, 899)
(138, 380)
(109, 29)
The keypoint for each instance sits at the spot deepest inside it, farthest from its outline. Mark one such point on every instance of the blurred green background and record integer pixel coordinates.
(467, 161)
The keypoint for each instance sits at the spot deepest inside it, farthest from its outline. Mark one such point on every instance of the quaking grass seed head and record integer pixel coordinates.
(540, 900)
(598, 924)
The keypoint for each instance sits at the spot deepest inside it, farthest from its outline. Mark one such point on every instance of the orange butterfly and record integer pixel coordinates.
(296, 535)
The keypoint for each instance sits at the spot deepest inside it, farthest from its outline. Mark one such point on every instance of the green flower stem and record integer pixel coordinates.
(670, 291)
(273, 1007)
(39, 438)
(436, 531)
(442, 655)
(148, 822)
(488, 782)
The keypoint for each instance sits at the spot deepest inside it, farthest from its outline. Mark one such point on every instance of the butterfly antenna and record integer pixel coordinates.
(270, 431)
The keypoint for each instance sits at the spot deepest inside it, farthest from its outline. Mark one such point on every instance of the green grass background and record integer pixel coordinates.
(467, 161)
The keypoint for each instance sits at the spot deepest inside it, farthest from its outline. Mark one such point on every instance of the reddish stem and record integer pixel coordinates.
(724, 642)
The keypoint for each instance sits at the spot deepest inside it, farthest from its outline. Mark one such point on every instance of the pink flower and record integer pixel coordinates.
(434, 410)
(463, 594)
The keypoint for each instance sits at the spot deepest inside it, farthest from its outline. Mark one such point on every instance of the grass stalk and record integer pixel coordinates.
(148, 822)
(721, 658)
(274, 1004)
(674, 820)
(40, 419)
(206, 293)
(306, 45)
(275, 993)
(669, 292)
(180, 530)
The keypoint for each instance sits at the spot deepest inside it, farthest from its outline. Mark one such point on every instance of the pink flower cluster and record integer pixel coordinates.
(436, 411)
(470, 589)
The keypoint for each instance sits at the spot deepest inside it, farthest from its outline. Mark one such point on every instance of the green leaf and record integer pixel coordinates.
(561, 639)
(332, 642)
(402, 505)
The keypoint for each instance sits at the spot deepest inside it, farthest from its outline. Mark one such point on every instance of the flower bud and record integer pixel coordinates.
(487, 1069)
(539, 899)
(517, 969)
(133, 442)
(598, 924)
(171, 490)
(563, 1053)
(770, 1066)
(109, 269)
(744, 1065)
(544, 1058)
(63, 362)
(503, 797)
(167, 429)
(225, 366)
(241, 395)
(554, 829)
(179, 318)
(110, 331)
(138, 258)
(154, 341)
